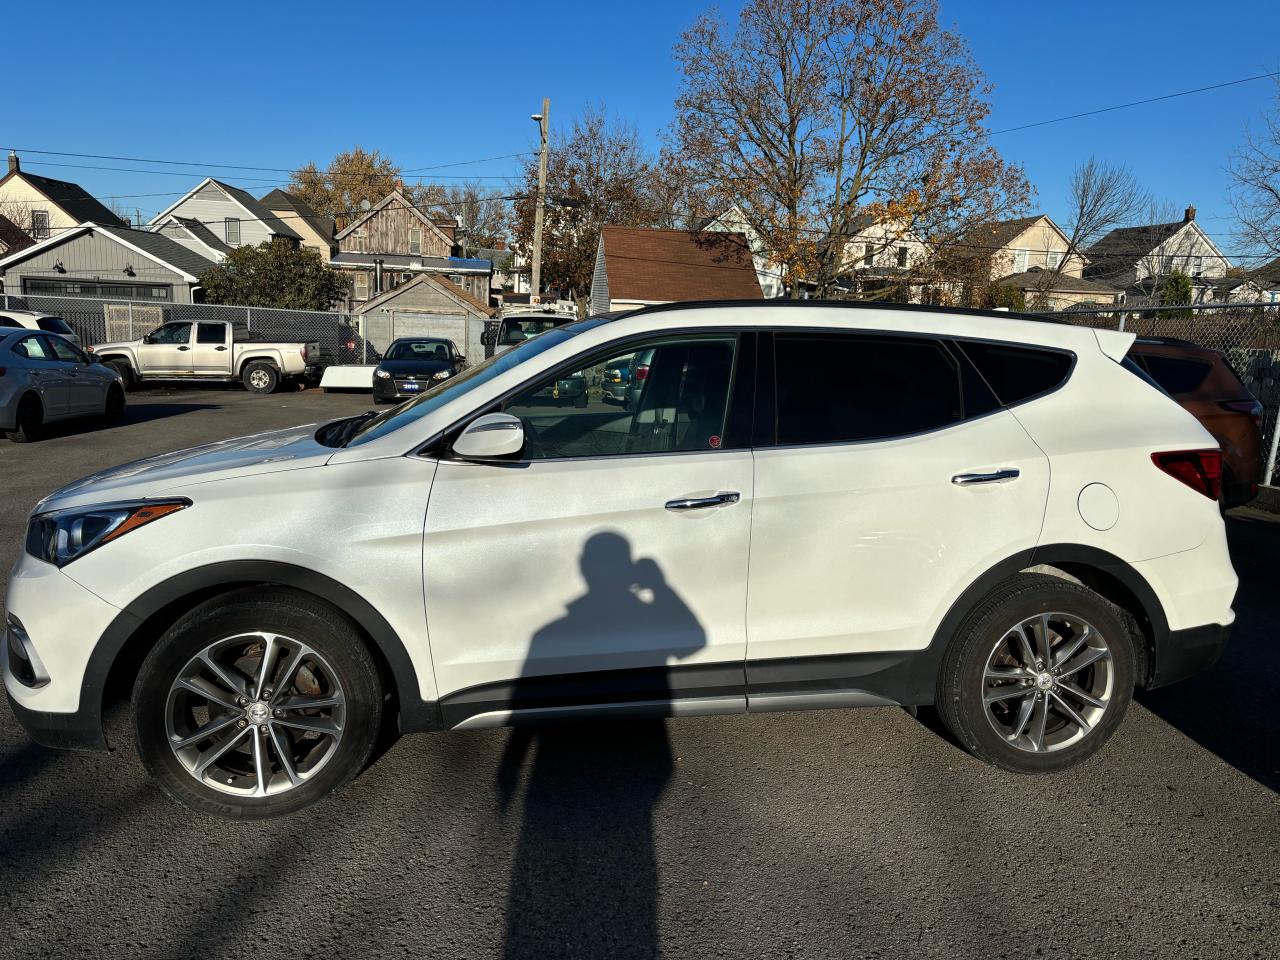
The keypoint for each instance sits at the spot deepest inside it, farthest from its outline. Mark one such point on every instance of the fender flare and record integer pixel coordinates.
(415, 713)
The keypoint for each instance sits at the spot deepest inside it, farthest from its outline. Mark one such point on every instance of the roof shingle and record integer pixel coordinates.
(667, 265)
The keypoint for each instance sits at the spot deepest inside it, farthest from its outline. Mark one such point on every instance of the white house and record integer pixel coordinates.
(232, 215)
(1136, 260)
(768, 273)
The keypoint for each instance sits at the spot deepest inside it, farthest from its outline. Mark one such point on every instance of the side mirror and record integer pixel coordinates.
(146, 338)
(459, 359)
(93, 358)
(495, 436)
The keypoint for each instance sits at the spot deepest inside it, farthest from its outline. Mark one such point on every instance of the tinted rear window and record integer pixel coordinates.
(1018, 373)
(54, 325)
(9, 322)
(836, 388)
(1175, 374)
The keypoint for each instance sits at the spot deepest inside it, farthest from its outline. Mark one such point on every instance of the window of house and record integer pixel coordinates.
(1017, 373)
(1052, 259)
(1197, 266)
(902, 258)
(868, 254)
(415, 241)
(888, 387)
(39, 224)
(668, 396)
(362, 286)
(1019, 261)
(232, 225)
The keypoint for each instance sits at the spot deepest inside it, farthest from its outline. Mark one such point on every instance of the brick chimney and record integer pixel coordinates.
(14, 166)
(1190, 214)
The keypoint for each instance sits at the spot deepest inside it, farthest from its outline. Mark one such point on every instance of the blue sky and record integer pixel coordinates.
(276, 85)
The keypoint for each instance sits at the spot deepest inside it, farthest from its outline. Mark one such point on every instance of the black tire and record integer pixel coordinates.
(123, 368)
(260, 377)
(961, 682)
(29, 424)
(276, 610)
(114, 411)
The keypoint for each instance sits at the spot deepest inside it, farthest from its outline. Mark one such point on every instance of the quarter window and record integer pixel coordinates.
(670, 396)
(841, 388)
(1018, 373)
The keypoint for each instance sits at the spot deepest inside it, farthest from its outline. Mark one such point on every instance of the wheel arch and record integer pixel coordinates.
(120, 651)
(269, 359)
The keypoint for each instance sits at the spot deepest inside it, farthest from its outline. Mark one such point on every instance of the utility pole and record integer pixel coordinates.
(541, 118)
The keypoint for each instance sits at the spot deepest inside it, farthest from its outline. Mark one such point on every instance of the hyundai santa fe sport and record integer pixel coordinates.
(803, 506)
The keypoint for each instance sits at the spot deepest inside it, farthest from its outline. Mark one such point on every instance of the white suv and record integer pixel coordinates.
(808, 505)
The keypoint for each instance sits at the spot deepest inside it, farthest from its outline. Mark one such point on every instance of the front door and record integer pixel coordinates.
(84, 390)
(608, 567)
(211, 352)
(895, 481)
(166, 351)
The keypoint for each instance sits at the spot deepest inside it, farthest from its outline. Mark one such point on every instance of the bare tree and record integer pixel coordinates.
(1254, 170)
(482, 213)
(1102, 197)
(815, 115)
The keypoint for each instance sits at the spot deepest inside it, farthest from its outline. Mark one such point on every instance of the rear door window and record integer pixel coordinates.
(211, 333)
(1017, 373)
(1175, 374)
(840, 388)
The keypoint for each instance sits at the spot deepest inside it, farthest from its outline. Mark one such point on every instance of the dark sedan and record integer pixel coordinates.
(414, 364)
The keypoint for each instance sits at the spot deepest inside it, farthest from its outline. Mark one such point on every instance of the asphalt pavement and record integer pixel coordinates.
(842, 834)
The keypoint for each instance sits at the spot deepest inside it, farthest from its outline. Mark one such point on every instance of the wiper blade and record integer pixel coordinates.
(340, 432)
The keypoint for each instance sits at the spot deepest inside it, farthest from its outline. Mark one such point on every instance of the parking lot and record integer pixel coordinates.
(828, 834)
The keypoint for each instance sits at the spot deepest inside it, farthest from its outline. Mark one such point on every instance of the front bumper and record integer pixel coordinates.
(61, 623)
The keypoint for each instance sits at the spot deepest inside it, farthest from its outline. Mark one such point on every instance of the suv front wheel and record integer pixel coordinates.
(1039, 676)
(256, 704)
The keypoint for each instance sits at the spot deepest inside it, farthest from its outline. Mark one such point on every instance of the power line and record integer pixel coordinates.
(1133, 103)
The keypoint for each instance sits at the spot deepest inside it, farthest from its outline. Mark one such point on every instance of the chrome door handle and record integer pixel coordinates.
(699, 503)
(995, 476)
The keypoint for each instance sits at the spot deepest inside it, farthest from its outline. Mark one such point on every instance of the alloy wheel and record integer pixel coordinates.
(255, 714)
(1047, 682)
(260, 379)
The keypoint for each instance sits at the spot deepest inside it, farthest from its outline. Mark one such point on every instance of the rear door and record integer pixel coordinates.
(211, 354)
(894, 479)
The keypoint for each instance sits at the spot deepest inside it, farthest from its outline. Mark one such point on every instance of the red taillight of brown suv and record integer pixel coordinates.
(1203, 382)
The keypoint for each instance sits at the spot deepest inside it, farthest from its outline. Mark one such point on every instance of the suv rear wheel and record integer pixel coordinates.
(1039, 676)
(257, 704)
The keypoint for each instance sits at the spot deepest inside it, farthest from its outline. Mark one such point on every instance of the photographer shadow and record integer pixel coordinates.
(584, 879)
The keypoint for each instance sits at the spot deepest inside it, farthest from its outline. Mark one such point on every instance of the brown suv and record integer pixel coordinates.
(1204, 383)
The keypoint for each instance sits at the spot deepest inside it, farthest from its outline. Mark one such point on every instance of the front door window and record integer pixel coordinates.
(664, 397)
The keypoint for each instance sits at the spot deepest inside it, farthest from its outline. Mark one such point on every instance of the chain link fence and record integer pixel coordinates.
(1247, 334)
(344, 338)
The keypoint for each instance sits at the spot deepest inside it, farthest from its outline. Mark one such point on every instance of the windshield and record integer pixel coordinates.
(419, 350)
(518, 331)
(449, 390)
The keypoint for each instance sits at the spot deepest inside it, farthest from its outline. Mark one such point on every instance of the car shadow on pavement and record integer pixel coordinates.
(1229, 709)
(133, 415)
(584, 879)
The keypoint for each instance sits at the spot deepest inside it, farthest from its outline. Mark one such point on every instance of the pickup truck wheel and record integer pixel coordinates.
(123, 368)
(260, 378)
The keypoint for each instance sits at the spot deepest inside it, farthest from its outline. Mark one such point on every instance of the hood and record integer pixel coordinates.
(409, 368)
(290, 449)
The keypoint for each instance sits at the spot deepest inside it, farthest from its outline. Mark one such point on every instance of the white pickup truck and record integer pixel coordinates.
(209, 350)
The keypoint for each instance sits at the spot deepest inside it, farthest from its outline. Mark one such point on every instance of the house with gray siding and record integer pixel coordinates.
(232, 215)
(106, 262)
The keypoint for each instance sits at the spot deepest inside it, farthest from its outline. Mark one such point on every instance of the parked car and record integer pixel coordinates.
(45, 378)
(1203, 382)
(210, 350)
(412, 364)
(31, 320)
(813, 504)
(519, 327)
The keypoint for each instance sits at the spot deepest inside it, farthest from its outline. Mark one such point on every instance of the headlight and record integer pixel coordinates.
(382, 374)
(441, 375)
(63, 535)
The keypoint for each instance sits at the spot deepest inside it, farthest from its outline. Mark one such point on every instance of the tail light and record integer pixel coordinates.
(3, 371)
(1201, 470)
(642, 372)
(1251, 407)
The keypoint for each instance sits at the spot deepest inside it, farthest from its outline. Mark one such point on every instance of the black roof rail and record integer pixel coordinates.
(839, 305)
(1168, 341)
